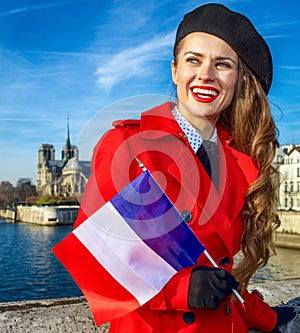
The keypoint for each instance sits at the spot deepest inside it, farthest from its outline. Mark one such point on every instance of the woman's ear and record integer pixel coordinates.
(174, 72)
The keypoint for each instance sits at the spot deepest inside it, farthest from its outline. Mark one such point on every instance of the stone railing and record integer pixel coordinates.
(73, 314)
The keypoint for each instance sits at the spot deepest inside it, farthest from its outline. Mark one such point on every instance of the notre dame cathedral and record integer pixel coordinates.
(66, 177)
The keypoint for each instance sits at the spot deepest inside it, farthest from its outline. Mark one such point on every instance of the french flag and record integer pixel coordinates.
(126, 252)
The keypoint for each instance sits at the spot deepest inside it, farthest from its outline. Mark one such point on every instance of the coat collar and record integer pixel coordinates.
(159, 121)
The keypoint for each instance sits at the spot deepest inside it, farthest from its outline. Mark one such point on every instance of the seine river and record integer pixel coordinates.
(29, 270)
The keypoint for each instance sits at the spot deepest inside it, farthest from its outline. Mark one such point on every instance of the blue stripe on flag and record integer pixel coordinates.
(149, 212)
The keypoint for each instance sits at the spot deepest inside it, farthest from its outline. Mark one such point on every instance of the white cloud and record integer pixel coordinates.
(290, 67)
(132, 62)
(45, 5)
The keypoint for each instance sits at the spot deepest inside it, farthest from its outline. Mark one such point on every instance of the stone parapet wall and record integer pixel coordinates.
(289, 241)
(8, 213)
(290, 222)
(47, 215)
(73, 314)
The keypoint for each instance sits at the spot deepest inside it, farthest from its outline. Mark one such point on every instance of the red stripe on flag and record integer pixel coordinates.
(106, 297)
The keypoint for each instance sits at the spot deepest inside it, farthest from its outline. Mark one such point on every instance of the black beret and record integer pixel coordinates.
(237, 31)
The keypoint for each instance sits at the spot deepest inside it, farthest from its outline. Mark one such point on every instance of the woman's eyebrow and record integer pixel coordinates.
(200, 55)
(226, 58)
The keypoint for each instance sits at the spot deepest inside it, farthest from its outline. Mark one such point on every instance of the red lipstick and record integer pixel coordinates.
(204, 94)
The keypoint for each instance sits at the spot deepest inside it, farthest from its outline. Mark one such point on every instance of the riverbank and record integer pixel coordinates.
(290, 222)
(286, 240)
(52, 215)
(47, 215)
(73, 314)
(288, 234)
(8, 213)
(42, 215)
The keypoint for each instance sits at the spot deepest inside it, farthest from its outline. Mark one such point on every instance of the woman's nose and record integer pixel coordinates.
(206, 72)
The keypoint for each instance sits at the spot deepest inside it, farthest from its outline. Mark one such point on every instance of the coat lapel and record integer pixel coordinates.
(220, 207)
(210, 207)
(239, 175)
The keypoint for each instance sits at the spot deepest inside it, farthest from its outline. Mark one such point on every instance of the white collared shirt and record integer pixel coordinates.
(193, 136)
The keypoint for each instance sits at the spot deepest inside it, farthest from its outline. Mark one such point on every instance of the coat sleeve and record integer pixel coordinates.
(256, 313)
(174, 296)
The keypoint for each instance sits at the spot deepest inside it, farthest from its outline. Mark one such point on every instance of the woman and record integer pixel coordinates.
(222, 70)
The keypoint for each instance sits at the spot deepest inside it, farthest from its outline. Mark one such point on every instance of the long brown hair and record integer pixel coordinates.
(255, 134)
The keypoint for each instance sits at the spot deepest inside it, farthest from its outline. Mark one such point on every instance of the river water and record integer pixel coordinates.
(29, 270)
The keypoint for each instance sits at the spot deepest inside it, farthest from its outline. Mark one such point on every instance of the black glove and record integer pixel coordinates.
(209, 286)
(284, 314)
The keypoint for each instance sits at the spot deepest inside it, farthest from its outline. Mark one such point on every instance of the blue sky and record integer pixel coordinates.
(96, 60)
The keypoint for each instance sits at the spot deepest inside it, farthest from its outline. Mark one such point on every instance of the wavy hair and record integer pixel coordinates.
(254, 133)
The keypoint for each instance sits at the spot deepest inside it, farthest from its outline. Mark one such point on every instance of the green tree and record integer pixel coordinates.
(7, 193)
(48, 200)
(25, 189)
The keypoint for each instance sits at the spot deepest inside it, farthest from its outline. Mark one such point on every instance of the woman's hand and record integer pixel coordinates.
(209, 286)
(284, 314)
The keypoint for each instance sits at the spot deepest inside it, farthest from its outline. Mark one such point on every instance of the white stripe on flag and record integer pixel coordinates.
(123, 254)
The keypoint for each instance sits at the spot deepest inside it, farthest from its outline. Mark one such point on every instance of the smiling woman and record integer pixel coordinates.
(211, 153)
(205, 71)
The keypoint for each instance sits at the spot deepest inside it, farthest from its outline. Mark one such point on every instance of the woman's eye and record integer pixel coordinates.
(223, 65)
(193, 60)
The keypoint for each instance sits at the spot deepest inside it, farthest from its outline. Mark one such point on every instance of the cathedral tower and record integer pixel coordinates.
(69, 151)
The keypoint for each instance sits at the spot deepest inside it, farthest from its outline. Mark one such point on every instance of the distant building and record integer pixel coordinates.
(288, 162)
(65, 177)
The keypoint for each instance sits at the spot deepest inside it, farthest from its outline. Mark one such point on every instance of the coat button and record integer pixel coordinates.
(189, 317)
(186, 215)
(224, 262)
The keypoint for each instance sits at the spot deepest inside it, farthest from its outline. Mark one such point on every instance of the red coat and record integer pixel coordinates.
(158, 141)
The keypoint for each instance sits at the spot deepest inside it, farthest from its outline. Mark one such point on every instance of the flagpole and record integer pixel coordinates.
(208, 256)
(141, 164)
